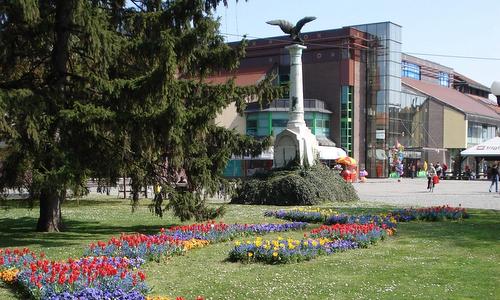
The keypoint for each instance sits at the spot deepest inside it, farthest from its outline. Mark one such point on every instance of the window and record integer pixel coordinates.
(280, 123)
(478, 133)
(252, 127)
(410, 70)
(444, 79)
(346, 114)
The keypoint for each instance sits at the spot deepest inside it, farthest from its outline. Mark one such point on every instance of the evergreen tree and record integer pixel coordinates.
(96, 88)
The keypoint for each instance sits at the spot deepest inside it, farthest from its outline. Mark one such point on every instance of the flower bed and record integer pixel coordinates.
(44, 279)
(387, 221)
(324, 240)
(363, 234)
(108, 270)
(309, 215)
(329, 217)
(177, 239)
(281, 251)
(434, 213)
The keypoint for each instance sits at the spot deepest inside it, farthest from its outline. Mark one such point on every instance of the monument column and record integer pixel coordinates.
(296, 103)
(296, 141)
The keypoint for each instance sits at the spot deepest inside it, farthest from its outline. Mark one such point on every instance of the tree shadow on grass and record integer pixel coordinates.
(20, 232)
(25, 203)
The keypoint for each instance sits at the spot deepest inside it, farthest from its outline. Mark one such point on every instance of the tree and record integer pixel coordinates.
(96, 88)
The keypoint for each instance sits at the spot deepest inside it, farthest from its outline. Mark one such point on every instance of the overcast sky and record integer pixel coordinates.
(445, 27)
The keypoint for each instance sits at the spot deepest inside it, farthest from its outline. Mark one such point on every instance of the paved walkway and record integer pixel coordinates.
(471, 194)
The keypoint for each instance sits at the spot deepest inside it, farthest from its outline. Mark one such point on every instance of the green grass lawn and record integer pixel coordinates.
(441, 260)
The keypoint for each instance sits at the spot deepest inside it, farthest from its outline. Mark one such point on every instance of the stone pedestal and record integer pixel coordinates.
(297, 139)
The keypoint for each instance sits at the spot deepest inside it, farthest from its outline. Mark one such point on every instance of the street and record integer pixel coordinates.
(471, 194)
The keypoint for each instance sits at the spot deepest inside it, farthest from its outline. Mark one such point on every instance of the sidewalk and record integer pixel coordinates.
(471, 194)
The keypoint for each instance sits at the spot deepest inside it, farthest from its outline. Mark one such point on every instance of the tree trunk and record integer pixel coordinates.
(135, 189)
(50, 211)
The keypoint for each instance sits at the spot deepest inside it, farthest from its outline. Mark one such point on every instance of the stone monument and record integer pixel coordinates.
(296, 142)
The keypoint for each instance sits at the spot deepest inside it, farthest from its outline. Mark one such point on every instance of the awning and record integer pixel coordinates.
(330, 153)
(325, 153)
(490, 148)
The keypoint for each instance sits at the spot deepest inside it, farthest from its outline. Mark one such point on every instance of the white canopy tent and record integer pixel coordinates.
(325, 153)
(489, 149)
(330, 153)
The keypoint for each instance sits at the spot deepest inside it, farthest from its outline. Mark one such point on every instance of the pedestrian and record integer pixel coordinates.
(362, 175)
(412, 171)
(438, 169)
(445, 168)
(494, 178)
(431, 172)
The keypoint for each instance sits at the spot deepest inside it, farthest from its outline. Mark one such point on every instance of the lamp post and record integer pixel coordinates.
(495, 90)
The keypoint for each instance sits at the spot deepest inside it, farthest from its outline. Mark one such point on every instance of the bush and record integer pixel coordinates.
(311, 186)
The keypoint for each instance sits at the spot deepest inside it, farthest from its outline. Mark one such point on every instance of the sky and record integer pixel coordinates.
(443, 27)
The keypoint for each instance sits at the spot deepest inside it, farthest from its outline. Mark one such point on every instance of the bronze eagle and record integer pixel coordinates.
(293, 31)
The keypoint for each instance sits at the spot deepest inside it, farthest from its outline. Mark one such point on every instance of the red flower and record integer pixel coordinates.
(141, 275)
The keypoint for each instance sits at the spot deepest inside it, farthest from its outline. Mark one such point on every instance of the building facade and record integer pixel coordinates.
(368, 98)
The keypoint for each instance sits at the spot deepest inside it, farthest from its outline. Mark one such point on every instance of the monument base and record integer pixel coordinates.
(296, 142)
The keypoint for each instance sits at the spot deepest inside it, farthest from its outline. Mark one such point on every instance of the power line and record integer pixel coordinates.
(387, 51)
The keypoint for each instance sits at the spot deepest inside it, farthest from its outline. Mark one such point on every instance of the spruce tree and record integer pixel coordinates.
(102, 89)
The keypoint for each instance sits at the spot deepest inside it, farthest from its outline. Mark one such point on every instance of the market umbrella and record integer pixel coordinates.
(346, 160)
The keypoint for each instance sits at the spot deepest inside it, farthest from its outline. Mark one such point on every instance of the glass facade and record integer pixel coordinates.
(346, 111)
(478, 133)
(409, 121)
(266, 123)
(383, 99)
(410, 70)
(444, 79)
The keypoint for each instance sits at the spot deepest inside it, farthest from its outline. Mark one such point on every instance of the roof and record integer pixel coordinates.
(490, 103)
(451, 97)
(241, 78)
(471, 82)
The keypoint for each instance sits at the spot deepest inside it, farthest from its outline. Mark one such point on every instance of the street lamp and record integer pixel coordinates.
(495, 90)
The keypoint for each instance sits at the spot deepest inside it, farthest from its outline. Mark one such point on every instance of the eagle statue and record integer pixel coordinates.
(293, 31)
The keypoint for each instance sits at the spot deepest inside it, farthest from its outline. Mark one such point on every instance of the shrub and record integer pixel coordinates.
(311, 186)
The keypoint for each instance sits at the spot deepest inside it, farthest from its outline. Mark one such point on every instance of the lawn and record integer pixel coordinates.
(424, 260)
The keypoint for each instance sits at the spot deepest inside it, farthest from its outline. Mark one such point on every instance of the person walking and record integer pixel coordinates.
(494, 178)
(431, 172)
(438, 169)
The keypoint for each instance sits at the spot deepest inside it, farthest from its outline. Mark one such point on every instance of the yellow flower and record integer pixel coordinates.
(275, 254)
(157, 298)
(9, 275)
(250, 254)
(237, 243)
